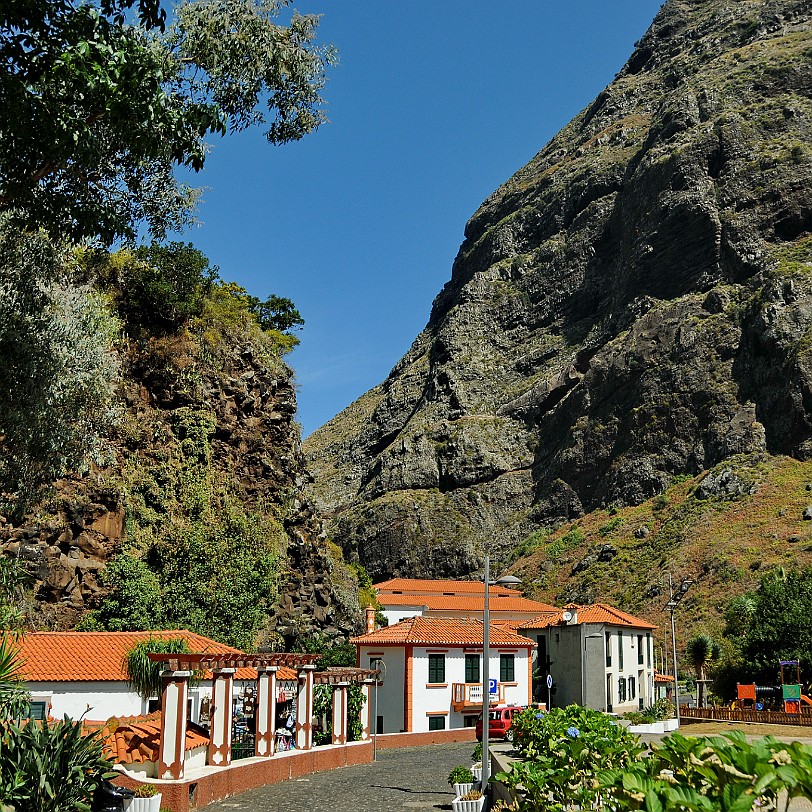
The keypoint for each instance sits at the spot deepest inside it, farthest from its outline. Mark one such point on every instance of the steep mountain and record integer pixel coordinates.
(628, 315)
(198, 518)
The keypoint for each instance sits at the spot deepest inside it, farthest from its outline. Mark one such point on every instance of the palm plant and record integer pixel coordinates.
(13, 696)
(701, 650)
(144, 675)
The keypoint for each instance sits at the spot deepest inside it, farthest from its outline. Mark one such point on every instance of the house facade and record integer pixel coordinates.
(81, 675)
(433, 672)
(598, 656)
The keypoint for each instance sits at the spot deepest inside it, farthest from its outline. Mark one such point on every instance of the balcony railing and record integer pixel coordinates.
(468, 695)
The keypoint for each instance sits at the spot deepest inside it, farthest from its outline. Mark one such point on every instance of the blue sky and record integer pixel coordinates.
(433, 105)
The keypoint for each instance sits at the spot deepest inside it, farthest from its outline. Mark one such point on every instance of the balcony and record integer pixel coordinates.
(467, 696)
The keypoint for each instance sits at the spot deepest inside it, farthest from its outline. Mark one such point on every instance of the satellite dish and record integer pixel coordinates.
(567, 616)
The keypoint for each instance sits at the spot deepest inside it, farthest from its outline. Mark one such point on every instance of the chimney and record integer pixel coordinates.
(370, 610)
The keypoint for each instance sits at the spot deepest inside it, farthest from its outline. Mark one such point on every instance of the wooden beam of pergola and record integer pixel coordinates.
(337, 675)
(211, 662)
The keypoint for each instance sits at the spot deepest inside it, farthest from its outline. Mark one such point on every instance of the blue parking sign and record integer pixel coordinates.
(493, 686)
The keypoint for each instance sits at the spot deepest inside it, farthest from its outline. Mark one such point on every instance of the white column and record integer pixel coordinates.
(222, 710)
(174, 702)
(340, 723)
(266, 711)
(366, 709)
(304, 708)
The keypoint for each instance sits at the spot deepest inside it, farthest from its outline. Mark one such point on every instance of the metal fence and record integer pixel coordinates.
(765, 717)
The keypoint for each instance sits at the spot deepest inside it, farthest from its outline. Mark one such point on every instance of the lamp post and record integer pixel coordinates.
(380, 666)
(506, 580)
(674, 600)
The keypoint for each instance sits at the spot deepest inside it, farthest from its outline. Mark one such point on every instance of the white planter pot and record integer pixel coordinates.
(462, 789)
(477, 771)
(671, 725)
(152, 804)
(458, 805)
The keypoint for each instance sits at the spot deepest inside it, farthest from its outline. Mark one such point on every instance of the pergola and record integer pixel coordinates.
(175, 689)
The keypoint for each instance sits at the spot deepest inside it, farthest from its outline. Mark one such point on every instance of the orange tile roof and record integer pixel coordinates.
(466, 603)
(136, 739)
(663, 678)
(441, 631)
(99, 656)
(441, 586)
(594, 613)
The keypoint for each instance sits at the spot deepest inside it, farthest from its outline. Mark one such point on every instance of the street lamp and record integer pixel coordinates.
(672, 604)
(380, 666)
(505, 580)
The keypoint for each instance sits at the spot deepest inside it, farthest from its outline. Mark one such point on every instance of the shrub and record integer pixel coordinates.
(716, 773)
(460, 775)
(477, 754)
(146, 791)
(50, 767)
(564, 750)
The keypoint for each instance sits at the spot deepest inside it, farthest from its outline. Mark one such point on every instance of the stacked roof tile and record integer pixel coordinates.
(466, 603)
(99, 656)
(441, 631)
(594, 613)
(136, 739)
(416, 586)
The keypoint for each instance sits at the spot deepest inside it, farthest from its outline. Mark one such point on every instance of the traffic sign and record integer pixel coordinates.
(549, 680)
(493, 686)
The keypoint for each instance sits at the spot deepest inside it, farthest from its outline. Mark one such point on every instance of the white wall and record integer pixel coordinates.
(98, 701)
(643, 673)
(390, 693)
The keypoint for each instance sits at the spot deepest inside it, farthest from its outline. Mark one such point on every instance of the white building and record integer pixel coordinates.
(433, 676)
(401, 598)
(597, 655)
(81, 674)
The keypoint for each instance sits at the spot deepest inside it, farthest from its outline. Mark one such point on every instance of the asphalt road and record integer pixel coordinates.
(407, 778)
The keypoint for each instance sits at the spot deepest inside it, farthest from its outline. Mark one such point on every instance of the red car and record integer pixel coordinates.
(500, 721)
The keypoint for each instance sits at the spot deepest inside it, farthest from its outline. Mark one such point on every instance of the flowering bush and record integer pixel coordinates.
(563, 751)
(724, 773)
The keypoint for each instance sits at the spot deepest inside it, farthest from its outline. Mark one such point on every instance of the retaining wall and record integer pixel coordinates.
(389, 741)
(210, 784)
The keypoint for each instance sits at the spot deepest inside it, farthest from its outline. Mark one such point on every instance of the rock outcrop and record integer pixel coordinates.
(631, 307)
(217, 427)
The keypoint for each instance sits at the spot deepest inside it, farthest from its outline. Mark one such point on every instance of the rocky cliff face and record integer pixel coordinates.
(630, 308)
(205, 435)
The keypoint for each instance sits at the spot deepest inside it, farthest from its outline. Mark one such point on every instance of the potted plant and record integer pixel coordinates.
(146, 799)
(473, 801)
(476, 769)
(462, 779)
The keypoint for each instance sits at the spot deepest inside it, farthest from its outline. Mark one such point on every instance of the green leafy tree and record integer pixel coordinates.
(57, 400)
(135, 601)
(772, 624)
(101, 105)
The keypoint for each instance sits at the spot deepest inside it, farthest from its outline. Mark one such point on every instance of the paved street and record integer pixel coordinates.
(408, 778)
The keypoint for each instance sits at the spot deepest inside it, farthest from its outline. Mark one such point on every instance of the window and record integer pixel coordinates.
(608, 650)
(621, 690)
(507, 668)
(620, 651)
(469, 721)
(436, 722)
(472, 668)
(640, 649)
(648, 650)
(609, 693)
(36, 710)
(437, 669)
(631, 687)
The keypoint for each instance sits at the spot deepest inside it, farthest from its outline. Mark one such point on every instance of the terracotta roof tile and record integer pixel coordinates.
(135, 739)
(663, 678)
(92, 656)
(466, 603)
(594, 613)
(440, 586)
(438, 630)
